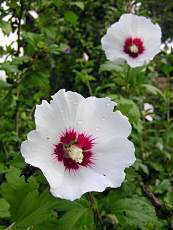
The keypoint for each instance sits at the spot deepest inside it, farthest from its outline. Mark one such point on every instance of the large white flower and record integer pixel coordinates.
(134, 39)
(80, 144)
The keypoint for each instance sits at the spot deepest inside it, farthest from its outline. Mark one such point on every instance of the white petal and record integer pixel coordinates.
(130, 23)
(139, 26)
(113, 42)
(112, 157)
(120, 149)
(152, 41)
(36, 149)
(136, 62)
(118, 61)
(39, 153)
(76, 184)
(48, 123)
(96, 117)
(52, 119)
(67, 104)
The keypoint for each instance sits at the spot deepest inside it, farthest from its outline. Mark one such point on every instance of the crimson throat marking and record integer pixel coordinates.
(74, 150)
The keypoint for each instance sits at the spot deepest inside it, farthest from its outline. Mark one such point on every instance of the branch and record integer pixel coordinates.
(154, 200)
(17, 54)
(161, 209)
(19, 28)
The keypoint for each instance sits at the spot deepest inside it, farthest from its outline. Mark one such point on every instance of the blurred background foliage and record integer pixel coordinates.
(58, 46)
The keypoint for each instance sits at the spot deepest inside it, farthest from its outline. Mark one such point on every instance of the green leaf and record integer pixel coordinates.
(34, 209)
(77, 214)
(62, 47)
(4, 208)
(139, 166)
(33, 41)
(130, 109)
(84, 77)
(78, 4)
(167, 69)
(17, 161)
(76, 218)
(169, 199)
(28, 208)
(4, 85)
(38, 78)
(134, 212)
(16, 185)
(57, 49)
(151, 89)
(2, 168)
(157, 166)
(57, 3)
(163, 186)
(2, 227)
(6, 27)
(9, 67)
(71, 17)
(109, 66)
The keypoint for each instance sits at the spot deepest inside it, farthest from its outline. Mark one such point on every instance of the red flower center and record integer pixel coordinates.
(133, 47)
(74, 150)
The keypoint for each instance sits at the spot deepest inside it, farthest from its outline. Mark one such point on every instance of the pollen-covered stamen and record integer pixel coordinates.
(133, 48)
(75, 153)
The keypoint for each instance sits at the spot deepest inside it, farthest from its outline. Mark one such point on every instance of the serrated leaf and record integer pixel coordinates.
(16, 189)
(134, 212)
(4, 208)
(34, 209)
(28, 208)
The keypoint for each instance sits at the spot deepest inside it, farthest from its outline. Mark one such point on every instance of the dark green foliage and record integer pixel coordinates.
(53, 47)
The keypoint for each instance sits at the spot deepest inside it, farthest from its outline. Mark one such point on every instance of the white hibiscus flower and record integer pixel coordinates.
(80, 144)
(134, 39)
